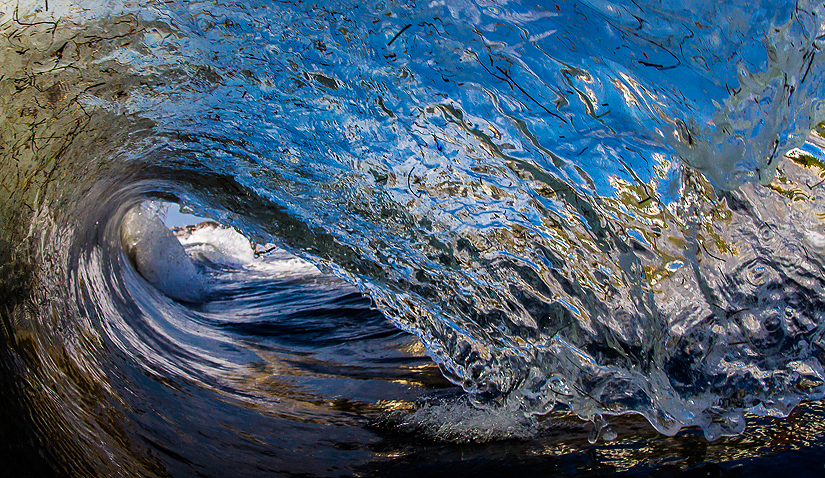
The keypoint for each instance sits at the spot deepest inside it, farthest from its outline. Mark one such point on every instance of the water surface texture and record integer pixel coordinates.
(496, 230)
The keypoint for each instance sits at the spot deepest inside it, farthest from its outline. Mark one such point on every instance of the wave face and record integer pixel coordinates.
(612, 206)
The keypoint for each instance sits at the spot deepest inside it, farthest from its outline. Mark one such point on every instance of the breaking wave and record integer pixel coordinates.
(614, 207)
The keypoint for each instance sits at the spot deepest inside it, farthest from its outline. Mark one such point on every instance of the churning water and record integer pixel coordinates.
(603, 223)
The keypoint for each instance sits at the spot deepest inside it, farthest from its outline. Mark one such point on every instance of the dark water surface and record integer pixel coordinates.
(442, 238)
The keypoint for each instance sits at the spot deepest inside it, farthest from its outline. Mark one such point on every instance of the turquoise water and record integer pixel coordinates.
(572, 238)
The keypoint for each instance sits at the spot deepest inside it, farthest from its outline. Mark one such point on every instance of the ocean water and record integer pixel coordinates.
(443, 238)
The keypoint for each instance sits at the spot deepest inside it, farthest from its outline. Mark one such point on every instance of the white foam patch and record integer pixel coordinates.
(225, 246)
(217, 244)
(461, 422)
(159, 257)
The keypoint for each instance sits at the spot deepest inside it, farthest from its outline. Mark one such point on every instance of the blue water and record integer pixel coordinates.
(342, 238)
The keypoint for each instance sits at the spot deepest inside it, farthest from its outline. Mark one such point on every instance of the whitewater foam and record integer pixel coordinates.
(460, 421)
(223, 246)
